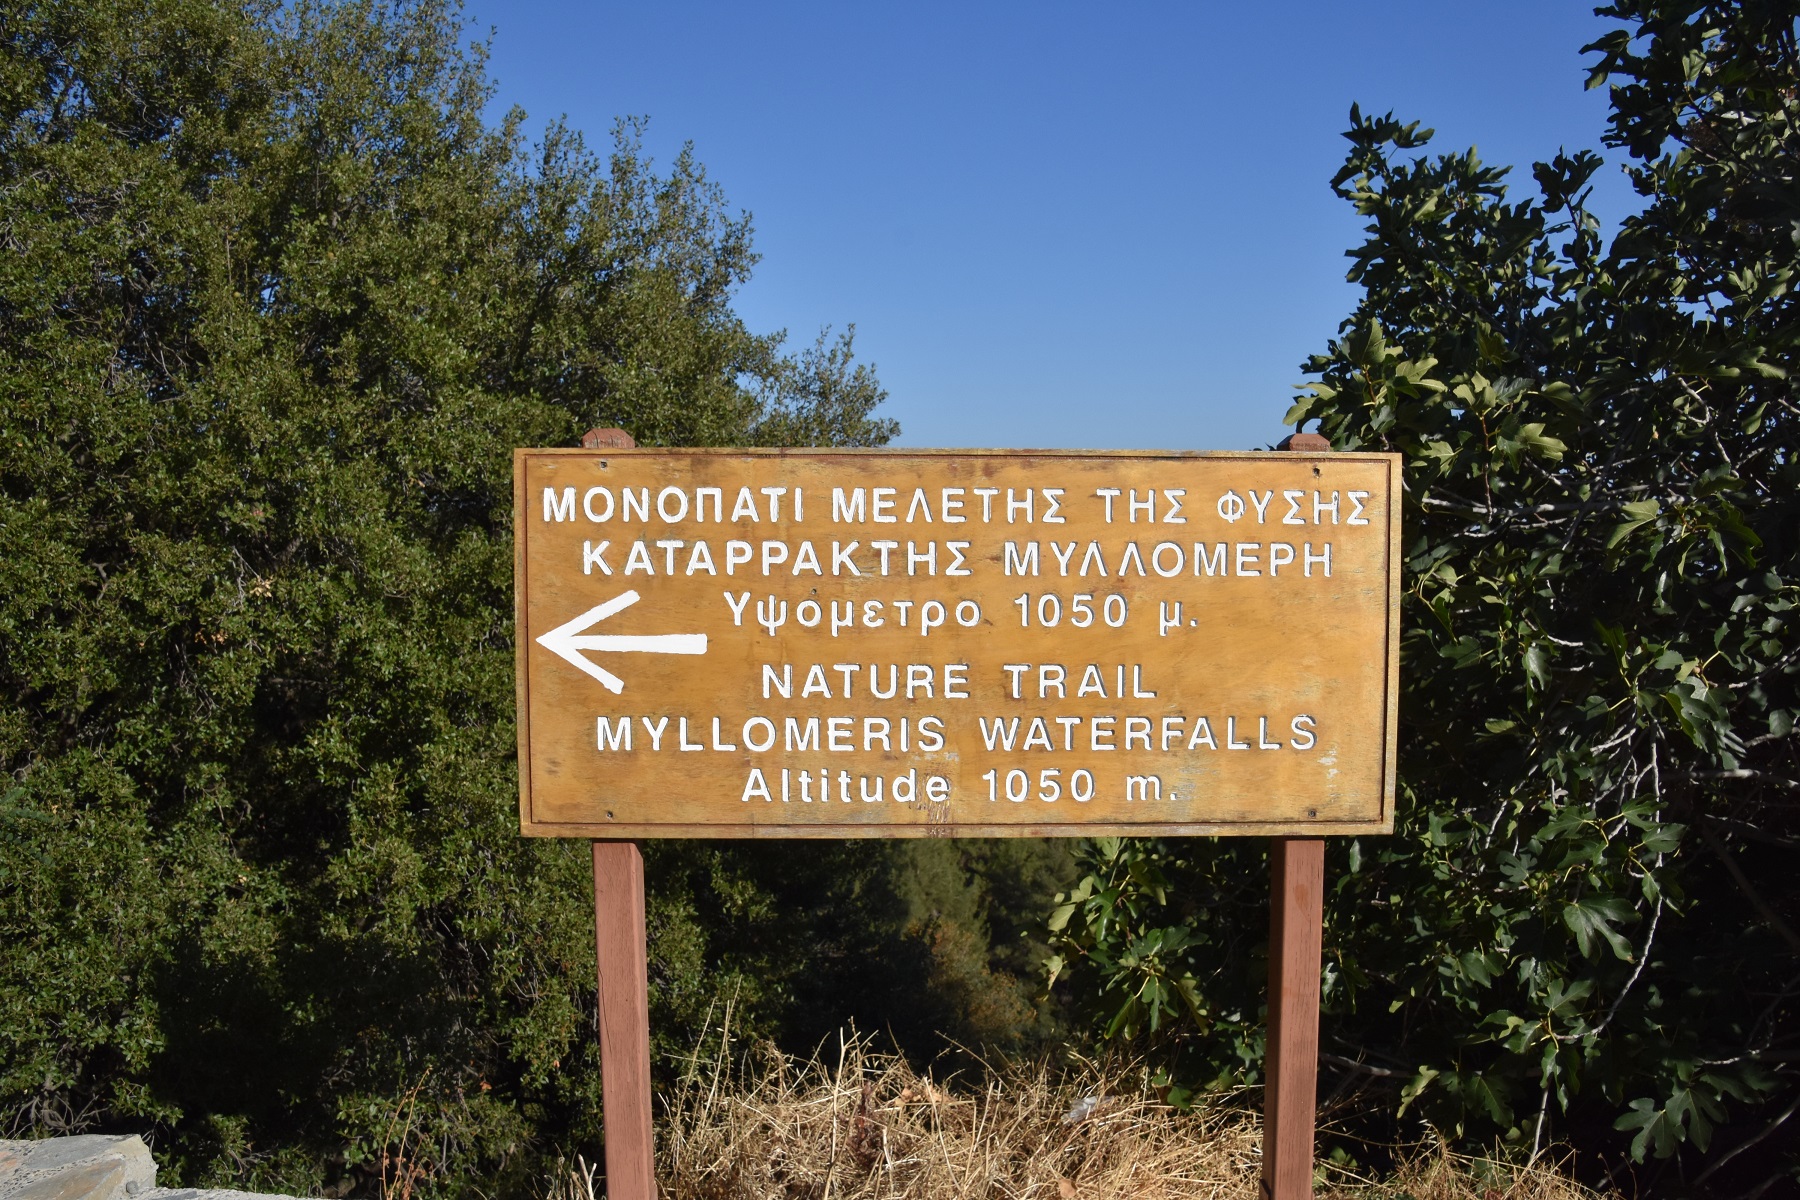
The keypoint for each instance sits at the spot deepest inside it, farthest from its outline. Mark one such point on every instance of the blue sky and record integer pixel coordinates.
(1056, 225)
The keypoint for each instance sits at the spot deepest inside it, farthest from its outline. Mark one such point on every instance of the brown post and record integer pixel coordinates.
(624, 987)
(1291, 1053)
(624, 1019)
(612, 438)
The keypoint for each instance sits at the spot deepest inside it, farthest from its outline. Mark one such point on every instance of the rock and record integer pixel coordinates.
(56, 1153)
(93, 1167)
(103, 1180)
(88, 1167)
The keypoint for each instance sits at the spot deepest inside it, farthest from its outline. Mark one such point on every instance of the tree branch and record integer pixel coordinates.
(1769, 915)
(1771, 1127)
(1350, 1064)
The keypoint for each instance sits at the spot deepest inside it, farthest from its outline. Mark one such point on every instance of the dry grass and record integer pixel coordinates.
(857, 1125)
(1441, 1175)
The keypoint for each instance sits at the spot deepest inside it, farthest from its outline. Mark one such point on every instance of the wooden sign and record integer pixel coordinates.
(733, 643)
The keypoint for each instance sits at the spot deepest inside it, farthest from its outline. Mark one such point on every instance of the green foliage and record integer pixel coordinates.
(275, 307)
(925, 943)
(974, 920)
(1584, 925)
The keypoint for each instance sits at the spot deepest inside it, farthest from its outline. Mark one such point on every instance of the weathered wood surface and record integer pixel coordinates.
(1264, 705)
(624, 1020)
(1291, 1064)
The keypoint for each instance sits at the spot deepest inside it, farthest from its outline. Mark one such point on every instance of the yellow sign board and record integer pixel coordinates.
(742, 643)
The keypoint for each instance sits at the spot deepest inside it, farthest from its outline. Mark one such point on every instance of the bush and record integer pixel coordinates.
(1584, 925)
(275, 309)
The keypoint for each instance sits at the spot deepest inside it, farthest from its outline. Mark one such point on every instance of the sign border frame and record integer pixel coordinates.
(613, 830)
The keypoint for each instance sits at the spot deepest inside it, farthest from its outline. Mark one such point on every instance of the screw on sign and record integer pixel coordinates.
(735, 643)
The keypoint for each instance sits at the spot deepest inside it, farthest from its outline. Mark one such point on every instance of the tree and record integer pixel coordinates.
(275, 307)
(1584, 926)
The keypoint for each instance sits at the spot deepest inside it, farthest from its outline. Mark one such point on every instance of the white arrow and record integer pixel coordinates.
(567, 642)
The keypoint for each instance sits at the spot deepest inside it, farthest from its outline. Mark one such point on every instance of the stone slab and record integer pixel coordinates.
(84, 1167)
(94, 1167)
(100, 1180)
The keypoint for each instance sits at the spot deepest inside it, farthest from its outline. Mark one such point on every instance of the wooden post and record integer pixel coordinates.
(612, 438)
(1291, 1053)
(624, 1019)
(624, 988)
